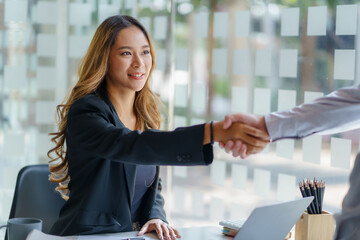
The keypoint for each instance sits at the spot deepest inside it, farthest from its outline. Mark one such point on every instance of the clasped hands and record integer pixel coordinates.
(245, 134)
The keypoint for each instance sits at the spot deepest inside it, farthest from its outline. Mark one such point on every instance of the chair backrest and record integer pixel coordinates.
(35, 196)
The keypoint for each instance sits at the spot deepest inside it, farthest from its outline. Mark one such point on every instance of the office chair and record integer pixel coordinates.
(35, 196)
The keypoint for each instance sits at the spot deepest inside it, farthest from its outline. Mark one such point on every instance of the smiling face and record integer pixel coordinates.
(130, 60)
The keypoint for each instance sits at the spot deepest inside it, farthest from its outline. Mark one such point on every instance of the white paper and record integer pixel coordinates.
(45, 112)
(219, 63)
(311, 96)
(14, 77)
(46, 77)
(344, 64)
(179, 121)
(290, 22)
(288, 63)
(340, 153)
(160, 27)
(78, 45)
(218, 172)
(241, 62)
(263, 62)
(37, 235)
(181, 59)
(83, 19)
(217, 209)
(15, 11)
(198, 101)
(239, 176)
(47, 12)
(106, 10)
(114, 236)
(286, 99)
(346, 19)
(197, 204)
(239, 100)
(181, 93)
(160, 59)
(286, 187)
(221, 24)
(180, 171)
(262, 182)
(311, 148)
(14, 144)
(262, 99)
(201, 25)
(317, 17)
(46, 45)
(242, 23)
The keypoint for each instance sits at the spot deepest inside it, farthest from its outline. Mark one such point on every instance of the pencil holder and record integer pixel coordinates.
(315, 226)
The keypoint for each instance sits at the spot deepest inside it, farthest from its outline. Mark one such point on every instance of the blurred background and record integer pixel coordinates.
(214, 57)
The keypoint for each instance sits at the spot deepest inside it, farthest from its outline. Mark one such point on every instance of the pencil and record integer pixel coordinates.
(303, 193)
(308, 193)
(314, 193)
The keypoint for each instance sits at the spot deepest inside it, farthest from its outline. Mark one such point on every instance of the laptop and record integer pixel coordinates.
(272, 222)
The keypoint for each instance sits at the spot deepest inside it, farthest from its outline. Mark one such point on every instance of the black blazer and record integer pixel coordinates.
(103, 155)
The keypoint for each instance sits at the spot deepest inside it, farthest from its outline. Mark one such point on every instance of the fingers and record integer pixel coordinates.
(159, 231)
(163, 230)
(176, 232)
(229, 146)
(256, 132)
(227, 122)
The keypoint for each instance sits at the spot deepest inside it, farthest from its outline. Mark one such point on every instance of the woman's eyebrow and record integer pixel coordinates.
(128, 47)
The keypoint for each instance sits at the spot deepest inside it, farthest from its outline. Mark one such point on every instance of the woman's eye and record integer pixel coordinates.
(125, 53)
(146, 52)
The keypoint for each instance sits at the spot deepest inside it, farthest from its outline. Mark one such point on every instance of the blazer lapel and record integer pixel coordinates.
(129, 169)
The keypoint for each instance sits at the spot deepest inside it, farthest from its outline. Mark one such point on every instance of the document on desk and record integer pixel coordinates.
(103, 237)
(37, 235)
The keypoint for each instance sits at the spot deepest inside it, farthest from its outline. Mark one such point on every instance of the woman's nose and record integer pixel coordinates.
(137, 61)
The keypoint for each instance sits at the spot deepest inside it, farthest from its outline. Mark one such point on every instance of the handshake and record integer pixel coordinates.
(242, 134)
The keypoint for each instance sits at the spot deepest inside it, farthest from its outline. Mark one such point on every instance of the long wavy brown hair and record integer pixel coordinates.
(91, 72)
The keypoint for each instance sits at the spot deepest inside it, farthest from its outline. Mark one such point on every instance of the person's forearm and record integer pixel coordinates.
(219, 134)
(206, 139)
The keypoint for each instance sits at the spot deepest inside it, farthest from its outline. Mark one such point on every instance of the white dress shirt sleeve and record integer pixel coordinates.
(336, 112)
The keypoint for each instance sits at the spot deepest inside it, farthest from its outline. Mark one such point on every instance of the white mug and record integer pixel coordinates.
(19, 228)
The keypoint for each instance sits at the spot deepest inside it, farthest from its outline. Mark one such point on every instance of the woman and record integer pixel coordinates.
(109, 170)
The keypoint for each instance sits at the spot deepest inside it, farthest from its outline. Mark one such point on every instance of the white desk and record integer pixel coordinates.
(206, 233)
(191, 233)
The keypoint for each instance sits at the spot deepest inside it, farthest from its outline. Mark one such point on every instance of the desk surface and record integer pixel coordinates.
(208, 233)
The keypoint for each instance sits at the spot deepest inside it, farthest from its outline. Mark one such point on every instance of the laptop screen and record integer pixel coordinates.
(272, 222)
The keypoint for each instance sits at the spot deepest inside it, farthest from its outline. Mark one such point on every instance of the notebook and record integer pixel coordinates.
(272, 222)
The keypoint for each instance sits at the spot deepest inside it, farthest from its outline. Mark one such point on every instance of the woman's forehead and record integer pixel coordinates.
(131, 36)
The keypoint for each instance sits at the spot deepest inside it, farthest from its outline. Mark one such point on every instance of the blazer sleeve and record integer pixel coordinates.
(337, 112)
(90, 127)
(157, 210)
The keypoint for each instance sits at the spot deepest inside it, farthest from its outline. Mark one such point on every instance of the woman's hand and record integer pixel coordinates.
(163, 230)
(241, 139)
